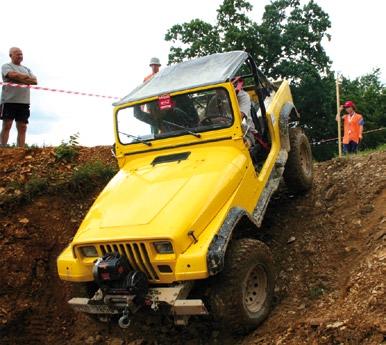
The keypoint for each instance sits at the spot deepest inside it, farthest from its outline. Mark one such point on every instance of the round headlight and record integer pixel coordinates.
(89, 251)
(163, 247)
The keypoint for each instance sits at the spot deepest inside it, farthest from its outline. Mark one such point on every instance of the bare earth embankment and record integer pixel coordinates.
(329, 246)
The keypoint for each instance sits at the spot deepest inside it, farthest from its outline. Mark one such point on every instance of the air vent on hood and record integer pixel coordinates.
(171, 158)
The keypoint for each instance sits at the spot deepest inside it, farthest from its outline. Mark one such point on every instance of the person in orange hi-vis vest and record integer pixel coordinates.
(155, 64)
(352, 127)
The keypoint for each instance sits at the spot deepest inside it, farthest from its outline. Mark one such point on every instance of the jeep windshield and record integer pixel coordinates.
(169, 116)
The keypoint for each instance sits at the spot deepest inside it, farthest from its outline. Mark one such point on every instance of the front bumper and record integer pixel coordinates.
(173, 297)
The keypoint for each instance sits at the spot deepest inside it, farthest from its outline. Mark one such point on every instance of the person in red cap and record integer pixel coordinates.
(352, 127)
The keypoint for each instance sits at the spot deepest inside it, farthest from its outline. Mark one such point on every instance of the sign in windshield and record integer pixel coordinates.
(175, 115)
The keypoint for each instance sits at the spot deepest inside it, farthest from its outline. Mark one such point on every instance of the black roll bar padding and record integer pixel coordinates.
(259, 123)
(259, 87)
(261, 91)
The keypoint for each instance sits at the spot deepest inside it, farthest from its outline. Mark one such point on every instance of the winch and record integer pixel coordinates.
(114, 276)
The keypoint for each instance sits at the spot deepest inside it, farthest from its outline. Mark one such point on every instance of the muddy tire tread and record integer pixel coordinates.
(226, 296)
(294, 176)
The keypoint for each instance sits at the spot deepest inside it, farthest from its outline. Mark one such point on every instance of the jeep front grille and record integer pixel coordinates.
(137, 255)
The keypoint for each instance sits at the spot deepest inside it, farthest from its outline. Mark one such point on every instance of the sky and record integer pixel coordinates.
(104, 47)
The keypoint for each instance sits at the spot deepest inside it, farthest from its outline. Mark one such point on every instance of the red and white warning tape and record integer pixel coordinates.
(334, 139)
(35, 87)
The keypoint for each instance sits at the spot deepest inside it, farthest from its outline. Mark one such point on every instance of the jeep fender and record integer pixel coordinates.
(287, 113)
(217, 248)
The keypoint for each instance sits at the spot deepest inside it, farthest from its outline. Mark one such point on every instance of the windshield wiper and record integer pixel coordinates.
(136, 138)
(182, 127)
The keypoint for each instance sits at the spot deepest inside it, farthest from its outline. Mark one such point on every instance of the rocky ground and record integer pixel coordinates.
(329, 247)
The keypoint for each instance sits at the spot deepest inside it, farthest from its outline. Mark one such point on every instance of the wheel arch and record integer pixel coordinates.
(237, 224)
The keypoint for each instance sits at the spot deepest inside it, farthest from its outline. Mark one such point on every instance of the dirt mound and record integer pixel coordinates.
(331, 256)
(329, 248)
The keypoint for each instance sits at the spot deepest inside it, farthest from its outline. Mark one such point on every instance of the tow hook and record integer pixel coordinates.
(124, 321)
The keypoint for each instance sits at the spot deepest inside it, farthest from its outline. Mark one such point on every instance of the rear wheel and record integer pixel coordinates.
(298, 173)
(242, 294)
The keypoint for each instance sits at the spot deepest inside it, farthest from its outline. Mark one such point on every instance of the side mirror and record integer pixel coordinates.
(113, 151)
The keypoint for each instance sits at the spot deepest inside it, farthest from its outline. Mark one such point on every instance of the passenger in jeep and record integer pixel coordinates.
(245, 109)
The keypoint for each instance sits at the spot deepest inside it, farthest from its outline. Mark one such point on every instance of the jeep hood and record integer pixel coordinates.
(145, 201)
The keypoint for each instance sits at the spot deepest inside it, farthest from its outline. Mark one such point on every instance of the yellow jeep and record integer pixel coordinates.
(186, 207)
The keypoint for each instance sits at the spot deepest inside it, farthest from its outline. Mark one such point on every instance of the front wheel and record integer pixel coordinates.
(242, 294)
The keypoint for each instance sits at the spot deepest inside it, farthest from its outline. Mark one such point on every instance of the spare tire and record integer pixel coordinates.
(298, 173)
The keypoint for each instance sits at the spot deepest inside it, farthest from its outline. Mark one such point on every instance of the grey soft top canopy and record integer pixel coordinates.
(207, 70)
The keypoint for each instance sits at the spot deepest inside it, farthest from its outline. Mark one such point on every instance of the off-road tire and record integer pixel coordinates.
(241, 295)
(298, 173)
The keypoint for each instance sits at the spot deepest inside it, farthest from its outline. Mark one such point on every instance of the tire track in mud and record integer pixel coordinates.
(39, 325)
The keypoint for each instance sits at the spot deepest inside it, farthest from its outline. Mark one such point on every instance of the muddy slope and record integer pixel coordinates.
(329, 248)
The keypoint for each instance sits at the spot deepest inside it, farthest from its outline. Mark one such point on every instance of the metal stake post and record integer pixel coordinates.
(339, 118)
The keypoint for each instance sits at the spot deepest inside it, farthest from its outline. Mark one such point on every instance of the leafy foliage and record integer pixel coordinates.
(315, 100)
(35, 186)
(68, 151)
(90, 175)
(24, 192)
(316, 291)
(369, 95)
(286, 43)
(84, 180)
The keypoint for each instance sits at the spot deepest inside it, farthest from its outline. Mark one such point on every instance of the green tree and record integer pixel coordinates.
(287, 43)
(315, 99)
(369, 94)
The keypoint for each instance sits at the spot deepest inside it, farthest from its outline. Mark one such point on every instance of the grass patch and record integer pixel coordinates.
(87, 177)
(23, 192)
(35, 186)
(316, 291)
(381, 147)
(364, 152)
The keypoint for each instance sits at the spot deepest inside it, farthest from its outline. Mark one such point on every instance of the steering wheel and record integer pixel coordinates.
(210, 120)
(183, 116)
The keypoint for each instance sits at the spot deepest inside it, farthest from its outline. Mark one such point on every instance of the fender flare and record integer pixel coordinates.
(216, 252)
(286, 111)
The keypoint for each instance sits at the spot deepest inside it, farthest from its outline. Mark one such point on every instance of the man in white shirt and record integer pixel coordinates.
(15, 101)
